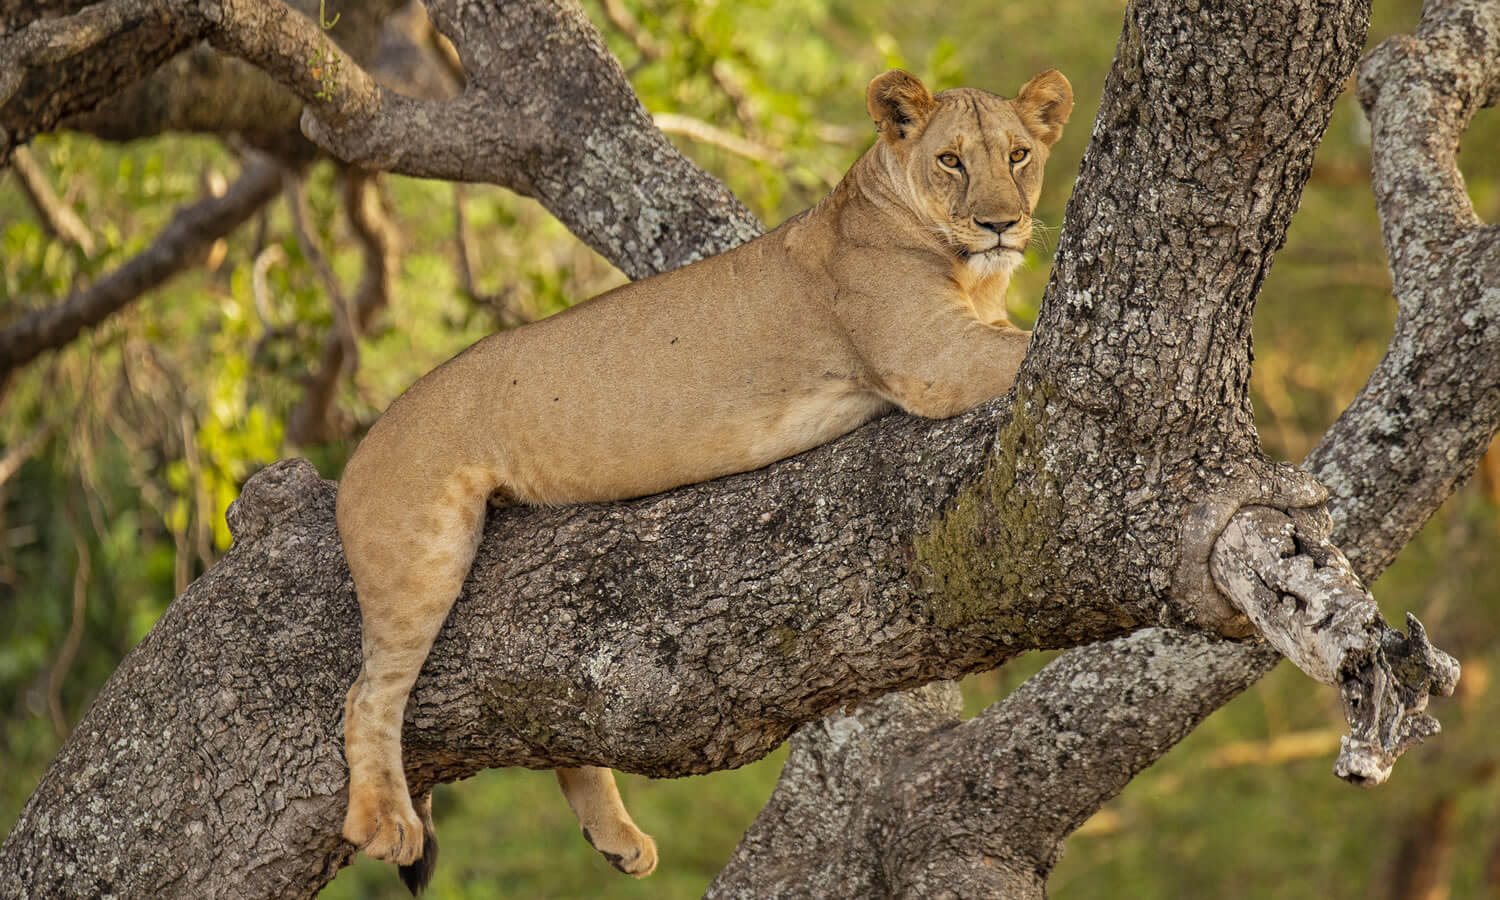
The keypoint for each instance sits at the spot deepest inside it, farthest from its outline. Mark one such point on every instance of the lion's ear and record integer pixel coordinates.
(1045, 102)
(899, 104)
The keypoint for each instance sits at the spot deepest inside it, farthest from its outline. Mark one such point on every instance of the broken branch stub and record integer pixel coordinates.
(1304, 598)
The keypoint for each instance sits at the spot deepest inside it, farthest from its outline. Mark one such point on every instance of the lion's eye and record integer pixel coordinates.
(1019, 155)
(951, 160)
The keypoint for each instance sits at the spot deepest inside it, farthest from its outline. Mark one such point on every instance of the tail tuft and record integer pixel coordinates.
(416, 875)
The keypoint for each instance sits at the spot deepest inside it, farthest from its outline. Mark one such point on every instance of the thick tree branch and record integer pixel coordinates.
(683, 633)
(901, 800)
(693, 630)
(1384, 489)
(1394, 492)
(84, 70)
(547, 112)
(55, 67)
(192, 230)
(202, 91)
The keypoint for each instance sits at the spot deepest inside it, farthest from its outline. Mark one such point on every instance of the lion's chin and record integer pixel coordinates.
(997, 260)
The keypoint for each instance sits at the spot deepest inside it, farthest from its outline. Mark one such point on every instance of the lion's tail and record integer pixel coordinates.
(416, 875)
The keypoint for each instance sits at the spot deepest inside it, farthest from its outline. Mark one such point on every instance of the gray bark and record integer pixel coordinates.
(546, 110)
(1172, 683)
(694, 630)
(127, 69)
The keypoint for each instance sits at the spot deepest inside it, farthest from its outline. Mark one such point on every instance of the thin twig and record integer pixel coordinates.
(201, 502)
(500, 304)
(57, 217)
(313, 420)
(344, 326)
(74, 638)
(703, 132)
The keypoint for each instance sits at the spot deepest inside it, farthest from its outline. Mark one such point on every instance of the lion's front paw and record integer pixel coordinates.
(385, 828)
(627, 848)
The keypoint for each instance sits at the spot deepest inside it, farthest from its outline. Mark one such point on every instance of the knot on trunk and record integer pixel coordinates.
(1261, 483)
(276, 493)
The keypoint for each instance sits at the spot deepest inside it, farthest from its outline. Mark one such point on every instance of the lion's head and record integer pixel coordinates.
(972, 160)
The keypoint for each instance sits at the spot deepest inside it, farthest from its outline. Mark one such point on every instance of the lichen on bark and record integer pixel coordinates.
(984, 560)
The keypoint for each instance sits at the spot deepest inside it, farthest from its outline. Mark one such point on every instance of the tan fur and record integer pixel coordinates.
(890, 292)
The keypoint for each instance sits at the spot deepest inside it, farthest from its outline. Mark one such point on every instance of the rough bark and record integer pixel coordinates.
(1428, 411)
(127, 69)
(1305, 600)
(901, 799)
(51, 68)
(1393, 495)
(694, 630)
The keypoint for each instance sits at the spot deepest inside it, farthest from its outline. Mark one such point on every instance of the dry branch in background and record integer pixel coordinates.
(58, 219)
(316, 419)
(192, 231)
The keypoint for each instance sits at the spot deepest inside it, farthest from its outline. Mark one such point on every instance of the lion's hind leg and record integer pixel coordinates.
(607, 826)
(409, 562)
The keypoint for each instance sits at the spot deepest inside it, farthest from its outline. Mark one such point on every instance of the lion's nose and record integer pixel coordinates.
(997, 227)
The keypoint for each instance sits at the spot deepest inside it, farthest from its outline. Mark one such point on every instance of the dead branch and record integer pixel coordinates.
(344, 328)
(315, 418)
(57, 218)
(181, 243)
(703, 132)
(1304, 598)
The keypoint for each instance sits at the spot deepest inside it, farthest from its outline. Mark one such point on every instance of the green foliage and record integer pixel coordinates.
(154, 420)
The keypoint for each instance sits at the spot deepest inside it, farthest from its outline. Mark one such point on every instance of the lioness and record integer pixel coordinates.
(889, 293)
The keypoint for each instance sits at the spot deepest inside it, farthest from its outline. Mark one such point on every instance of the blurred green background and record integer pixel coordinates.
(144, 429)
